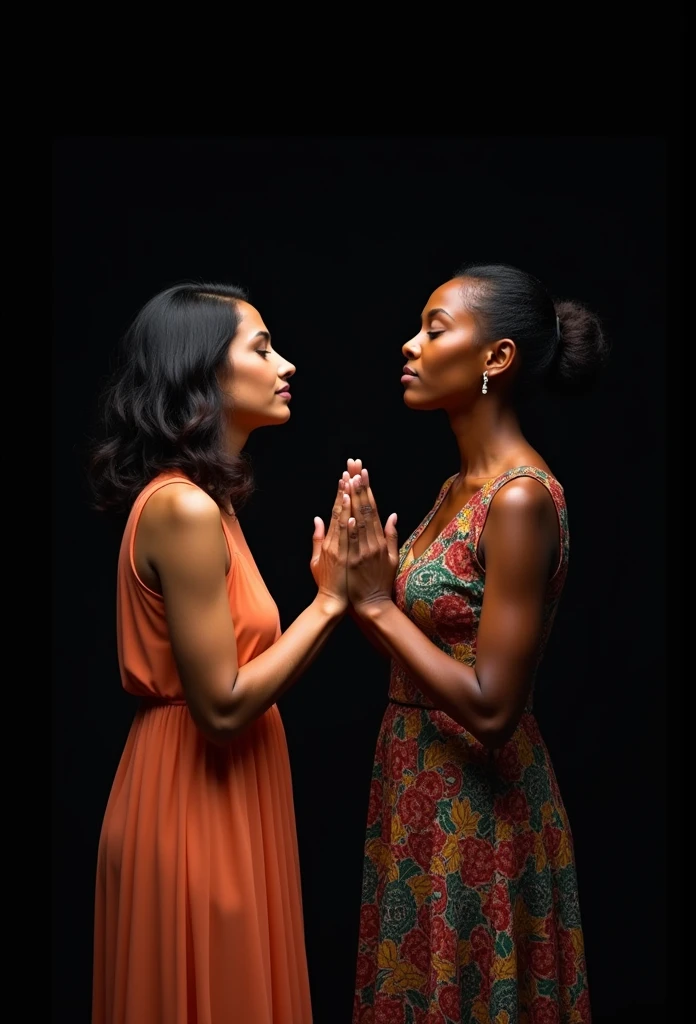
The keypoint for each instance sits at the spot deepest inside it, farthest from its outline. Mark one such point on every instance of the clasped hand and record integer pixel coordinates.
(355, 559)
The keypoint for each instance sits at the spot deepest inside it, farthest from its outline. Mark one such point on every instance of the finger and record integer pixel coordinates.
(353, 541)
(342, 527)
(364, 512)
(317, 537)
(368, 509)
(392, 536)
(357, 512)
(354, 466)
(336, 508)
(370, 494)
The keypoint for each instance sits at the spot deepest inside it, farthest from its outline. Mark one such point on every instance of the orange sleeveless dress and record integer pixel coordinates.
(198, 911)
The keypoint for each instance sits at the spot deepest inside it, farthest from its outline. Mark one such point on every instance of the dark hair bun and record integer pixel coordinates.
(582, 352)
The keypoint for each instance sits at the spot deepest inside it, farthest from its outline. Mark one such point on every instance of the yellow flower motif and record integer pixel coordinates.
(479, 1012)
(464, 817)
(450, 855)
(463, 952)
(446, 971)
(505, 967)
(387, 955)
(578, 942)
(525, 750)
(421, 886)
(413, 723)
(398, 831)
(503, 830)
(464, 653)
(420, 613)
(404, 976)
(525, 923)
(381, 854)
(564, 854)
(440, 753)
(547, 813)
(464, 518)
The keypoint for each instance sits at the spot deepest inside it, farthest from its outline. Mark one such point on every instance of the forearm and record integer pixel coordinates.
(368, 633)
(452, 686)
(261, 682)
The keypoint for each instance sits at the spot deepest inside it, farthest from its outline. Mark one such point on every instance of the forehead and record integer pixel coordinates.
(251, 319)
(448, 297)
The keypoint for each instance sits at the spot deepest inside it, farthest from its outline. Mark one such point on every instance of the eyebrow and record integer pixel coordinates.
(438, 309)
(262, 334)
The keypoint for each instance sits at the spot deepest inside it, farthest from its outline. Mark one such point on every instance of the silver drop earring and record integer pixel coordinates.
(484, 389)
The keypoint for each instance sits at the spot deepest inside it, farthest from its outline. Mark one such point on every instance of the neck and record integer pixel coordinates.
(235, 438)
(485, 436)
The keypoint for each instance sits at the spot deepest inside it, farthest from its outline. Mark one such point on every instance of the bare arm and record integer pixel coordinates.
(369, 633)
(520, 543)
(186, 548)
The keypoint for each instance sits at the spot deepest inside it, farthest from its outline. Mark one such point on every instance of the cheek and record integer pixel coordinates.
(449, 371)
(250, 377)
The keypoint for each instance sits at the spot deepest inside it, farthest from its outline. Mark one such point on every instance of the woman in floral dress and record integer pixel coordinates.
(470, 906)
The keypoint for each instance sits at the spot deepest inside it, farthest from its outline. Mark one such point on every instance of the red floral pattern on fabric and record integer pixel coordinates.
(470, 905)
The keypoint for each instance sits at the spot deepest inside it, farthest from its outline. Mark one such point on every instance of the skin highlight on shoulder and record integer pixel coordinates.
(522, 495)
(177, 517)
(182, 506)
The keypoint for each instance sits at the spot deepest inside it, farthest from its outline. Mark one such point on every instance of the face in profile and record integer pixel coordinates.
(444, 361)
(258, 376)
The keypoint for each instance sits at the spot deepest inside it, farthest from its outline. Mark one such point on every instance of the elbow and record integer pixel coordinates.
(219, 729)
(224, 726)
(496, 731)
(220, 721)
(215, 733)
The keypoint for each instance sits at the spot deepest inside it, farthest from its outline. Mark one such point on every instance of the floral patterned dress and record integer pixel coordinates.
(469, 902)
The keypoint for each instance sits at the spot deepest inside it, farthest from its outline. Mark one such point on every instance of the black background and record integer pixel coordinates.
(340, 242)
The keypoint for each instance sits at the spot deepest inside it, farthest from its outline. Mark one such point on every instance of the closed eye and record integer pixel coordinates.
(264, 352)
(433, 334)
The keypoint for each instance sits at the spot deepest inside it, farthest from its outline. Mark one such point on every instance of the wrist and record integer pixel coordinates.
(330, 606)
(374, 608)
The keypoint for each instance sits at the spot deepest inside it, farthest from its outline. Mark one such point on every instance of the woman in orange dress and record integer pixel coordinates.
(198, 915)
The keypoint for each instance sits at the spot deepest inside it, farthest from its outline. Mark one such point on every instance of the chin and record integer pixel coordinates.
(279, 418)
(274, 420)
(412, 402)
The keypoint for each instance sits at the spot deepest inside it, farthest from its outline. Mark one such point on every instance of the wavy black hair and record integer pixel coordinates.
(564, 355)
(162, 409)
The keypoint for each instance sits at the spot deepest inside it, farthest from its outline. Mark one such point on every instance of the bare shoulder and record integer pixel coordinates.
(522, 499)
(181, 507)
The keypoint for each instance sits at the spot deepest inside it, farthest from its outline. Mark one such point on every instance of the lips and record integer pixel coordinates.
(408, 372)
(283, 391)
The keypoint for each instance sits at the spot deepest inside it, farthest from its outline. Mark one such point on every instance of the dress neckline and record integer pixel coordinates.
(446, 487)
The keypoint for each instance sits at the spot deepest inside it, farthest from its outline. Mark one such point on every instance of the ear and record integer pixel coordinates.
(500, 356)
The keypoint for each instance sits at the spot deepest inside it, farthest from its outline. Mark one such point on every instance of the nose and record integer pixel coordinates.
(412, 348)
(286, 370)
